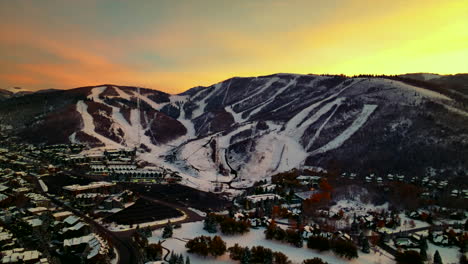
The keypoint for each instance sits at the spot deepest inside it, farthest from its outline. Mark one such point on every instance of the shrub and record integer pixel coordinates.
(345, 249)
(409, 257)
(319, 243)
(204, 245)
(314, 261)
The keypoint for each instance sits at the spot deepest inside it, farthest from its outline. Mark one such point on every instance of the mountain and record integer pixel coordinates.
(18, 91)
(251, 128)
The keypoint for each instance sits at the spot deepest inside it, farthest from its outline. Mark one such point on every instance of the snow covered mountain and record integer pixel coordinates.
(247, 129)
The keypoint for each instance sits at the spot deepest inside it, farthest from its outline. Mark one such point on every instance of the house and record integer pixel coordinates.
(309, 180)
(262, 197)
(71, 220)
(306, 195)
(97, 187)
(19, 255)
(91, 245)
(62, 215)
(6, 239)
(77, 230)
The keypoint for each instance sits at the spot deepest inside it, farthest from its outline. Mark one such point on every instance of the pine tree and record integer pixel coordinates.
(210, 223)
(180, 259)
(172, 258)
(437, 258)
(187, 260)
(423, 243)
(365, 245)
(246, 256)
(423, 253)
(168, 229)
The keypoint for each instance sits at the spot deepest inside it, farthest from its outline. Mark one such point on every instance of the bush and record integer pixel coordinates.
(345, 249)
(204, 245)
(236, 252)
(280, 258)
(261, 255)
(230, 226)
(409, 257)
(319, 243)
(314, 261)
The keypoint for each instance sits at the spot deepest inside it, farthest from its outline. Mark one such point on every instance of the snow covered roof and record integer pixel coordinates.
(15, 255)
(93, 185)
(262, 197)
(71, 220)
(306, 195)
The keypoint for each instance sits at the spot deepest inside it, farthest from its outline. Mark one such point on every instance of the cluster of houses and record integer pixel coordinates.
(430, 185)
(30, 220)
(102, 197)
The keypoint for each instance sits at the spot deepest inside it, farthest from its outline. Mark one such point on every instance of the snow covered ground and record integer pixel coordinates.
(256, 237)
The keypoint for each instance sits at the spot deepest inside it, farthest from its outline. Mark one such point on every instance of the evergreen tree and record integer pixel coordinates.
(423, 243)
(437, 258)
(172, 258)
(210, 223)
(365, 245)
(268, 257)
(246, 256)
(180, 259)
(423, 253)
(187, 260)
(168, 229)
(217, 246)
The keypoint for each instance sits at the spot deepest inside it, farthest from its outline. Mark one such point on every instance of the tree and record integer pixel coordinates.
(423, 243)
(437, 258)
(168, 229)
(318, 242)
(217, 247)
(246, 256)
(280, 258)
(260, 254)
(187, 260)
(365, 245)
(198, 245)
(155, 251)
(409, 257)
(423, 254)
(345, 249)
(314, 261)
(210, 223)
(270, 230)
(236, 252)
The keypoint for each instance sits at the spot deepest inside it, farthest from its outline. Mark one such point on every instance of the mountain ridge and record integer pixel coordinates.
(256, 126)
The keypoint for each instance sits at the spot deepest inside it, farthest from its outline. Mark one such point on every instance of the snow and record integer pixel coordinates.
(424, 92)
(89, 128)
(358, 123)
(430, 76)
(294, 122)
(272, 98)
(260, 89)
(317, 133)
(255, 237)
(357, 207)
(449, 255)
(273, 152)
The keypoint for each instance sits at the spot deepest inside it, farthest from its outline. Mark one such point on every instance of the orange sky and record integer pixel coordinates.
(176, 45)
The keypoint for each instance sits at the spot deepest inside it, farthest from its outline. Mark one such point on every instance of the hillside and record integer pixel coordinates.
(250, 128)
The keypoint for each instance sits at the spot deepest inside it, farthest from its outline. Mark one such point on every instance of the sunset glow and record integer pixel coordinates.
(175, 45)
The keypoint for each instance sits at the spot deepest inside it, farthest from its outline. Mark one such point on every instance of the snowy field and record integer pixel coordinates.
(256, 237)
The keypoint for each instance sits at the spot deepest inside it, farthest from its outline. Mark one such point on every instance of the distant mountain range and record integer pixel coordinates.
(254, 127)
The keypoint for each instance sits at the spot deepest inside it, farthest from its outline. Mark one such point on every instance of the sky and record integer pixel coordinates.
(176, 45)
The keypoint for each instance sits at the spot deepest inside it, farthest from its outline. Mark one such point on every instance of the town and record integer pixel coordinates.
(65, 204)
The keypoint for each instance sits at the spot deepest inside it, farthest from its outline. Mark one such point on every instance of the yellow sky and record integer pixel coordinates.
(173, 46)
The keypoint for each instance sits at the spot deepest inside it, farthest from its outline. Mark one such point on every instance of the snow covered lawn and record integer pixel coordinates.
(255, 238)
